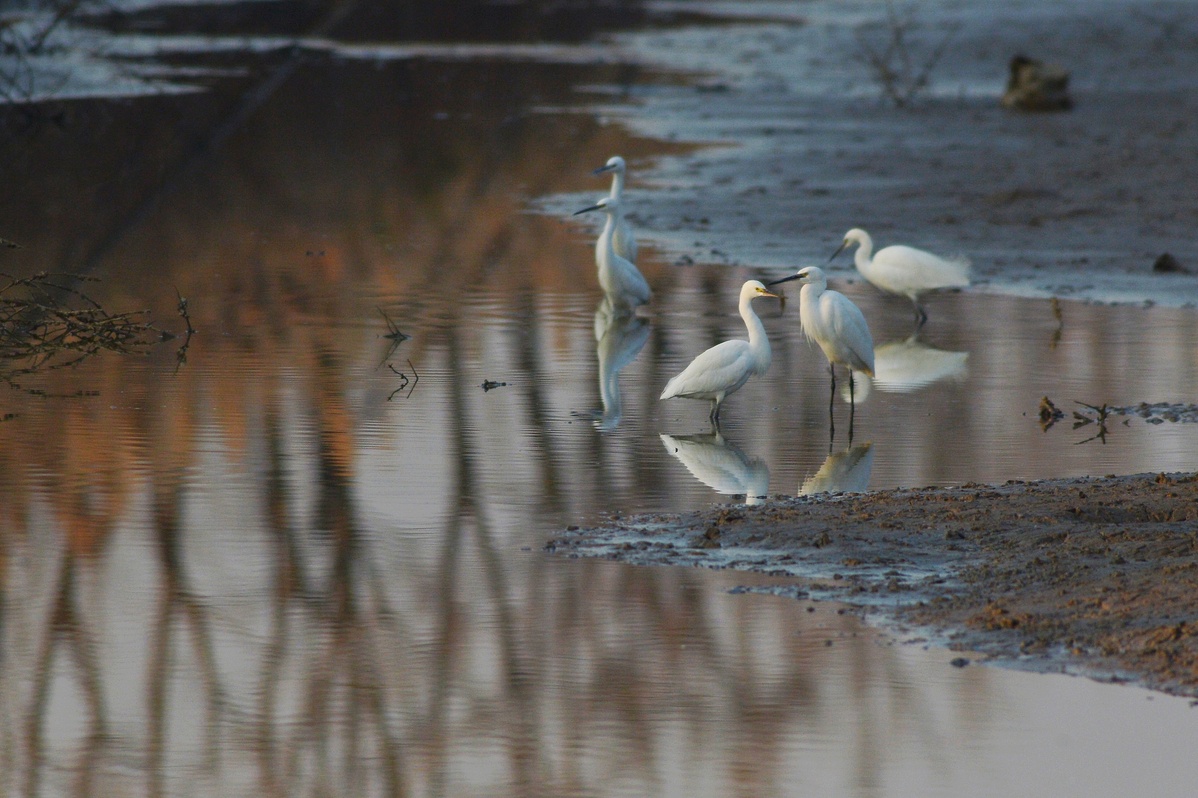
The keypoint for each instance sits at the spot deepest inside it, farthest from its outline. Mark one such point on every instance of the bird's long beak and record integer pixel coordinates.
(783, 280)
(584, 210)
(838, 251)
(775, 296)
(602, 169)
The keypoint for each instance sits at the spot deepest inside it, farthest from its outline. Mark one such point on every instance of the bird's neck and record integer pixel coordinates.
(605, 244)
(759, 344)
(865, 251)
(617, 184)
(808, 305)
(605, 252)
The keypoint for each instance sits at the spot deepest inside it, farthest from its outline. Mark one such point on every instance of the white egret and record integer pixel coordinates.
(720, 465)
(618, 277)
(622, 237)
(725, 367)
(832, 320)
(904, 270)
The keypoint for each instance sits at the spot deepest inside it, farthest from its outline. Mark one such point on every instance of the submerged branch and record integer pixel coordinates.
(47, 323)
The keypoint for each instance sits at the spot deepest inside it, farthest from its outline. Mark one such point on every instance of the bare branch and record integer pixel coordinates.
(900, 74)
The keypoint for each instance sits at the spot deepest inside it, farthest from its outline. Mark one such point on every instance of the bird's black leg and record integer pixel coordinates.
(921, 315)
(831, 404)
(852, 407)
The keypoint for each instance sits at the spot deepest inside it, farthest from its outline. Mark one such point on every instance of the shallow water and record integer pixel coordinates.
(301, 558)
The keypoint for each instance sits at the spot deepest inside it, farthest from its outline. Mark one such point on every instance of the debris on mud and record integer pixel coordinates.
(1049, 413)
(1089, 575)
(1152, 413)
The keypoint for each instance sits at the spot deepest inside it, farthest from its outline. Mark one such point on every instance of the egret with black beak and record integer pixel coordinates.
(832, 320)
(623, 239)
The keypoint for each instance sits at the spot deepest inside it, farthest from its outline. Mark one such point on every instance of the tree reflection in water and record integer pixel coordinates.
(220, 608)
(251, 573)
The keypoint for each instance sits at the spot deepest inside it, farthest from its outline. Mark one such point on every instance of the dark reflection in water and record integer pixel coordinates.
(267, 572)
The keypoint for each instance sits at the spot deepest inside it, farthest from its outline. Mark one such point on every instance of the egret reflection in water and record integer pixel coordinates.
(909, 365)
(721, 465)
(846, 471)
(619, 338)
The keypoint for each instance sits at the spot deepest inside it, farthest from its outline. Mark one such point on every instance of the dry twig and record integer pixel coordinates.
(896, 68)
(46, 323)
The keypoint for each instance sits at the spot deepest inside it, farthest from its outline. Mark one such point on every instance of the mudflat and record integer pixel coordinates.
(1096, 576)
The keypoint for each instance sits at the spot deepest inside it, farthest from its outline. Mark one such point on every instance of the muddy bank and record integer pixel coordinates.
(1094, 576)
(804, 145)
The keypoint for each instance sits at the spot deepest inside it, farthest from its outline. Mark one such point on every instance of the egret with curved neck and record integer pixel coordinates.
(623, 239)
(621, 281)
(725, 367)
(904, 270)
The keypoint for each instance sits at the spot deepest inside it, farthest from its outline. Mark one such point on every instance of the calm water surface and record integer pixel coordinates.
(305, 559)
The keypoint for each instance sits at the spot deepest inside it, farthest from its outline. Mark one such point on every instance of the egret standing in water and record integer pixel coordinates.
(622, 237)
(832, 320)
(619, 278)
(905, 271)
(727, 366)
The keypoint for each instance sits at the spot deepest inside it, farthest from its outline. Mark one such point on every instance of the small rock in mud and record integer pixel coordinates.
(709, 539)
(1036, 86)
(1167, 264)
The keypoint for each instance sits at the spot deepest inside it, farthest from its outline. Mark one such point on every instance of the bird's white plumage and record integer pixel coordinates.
(621, 281)
(725, 367)
(622, 238)
(904, 270)
(832, 320)
(715, 373)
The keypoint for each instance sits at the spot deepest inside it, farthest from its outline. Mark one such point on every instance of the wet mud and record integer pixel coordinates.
(1094, 575)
